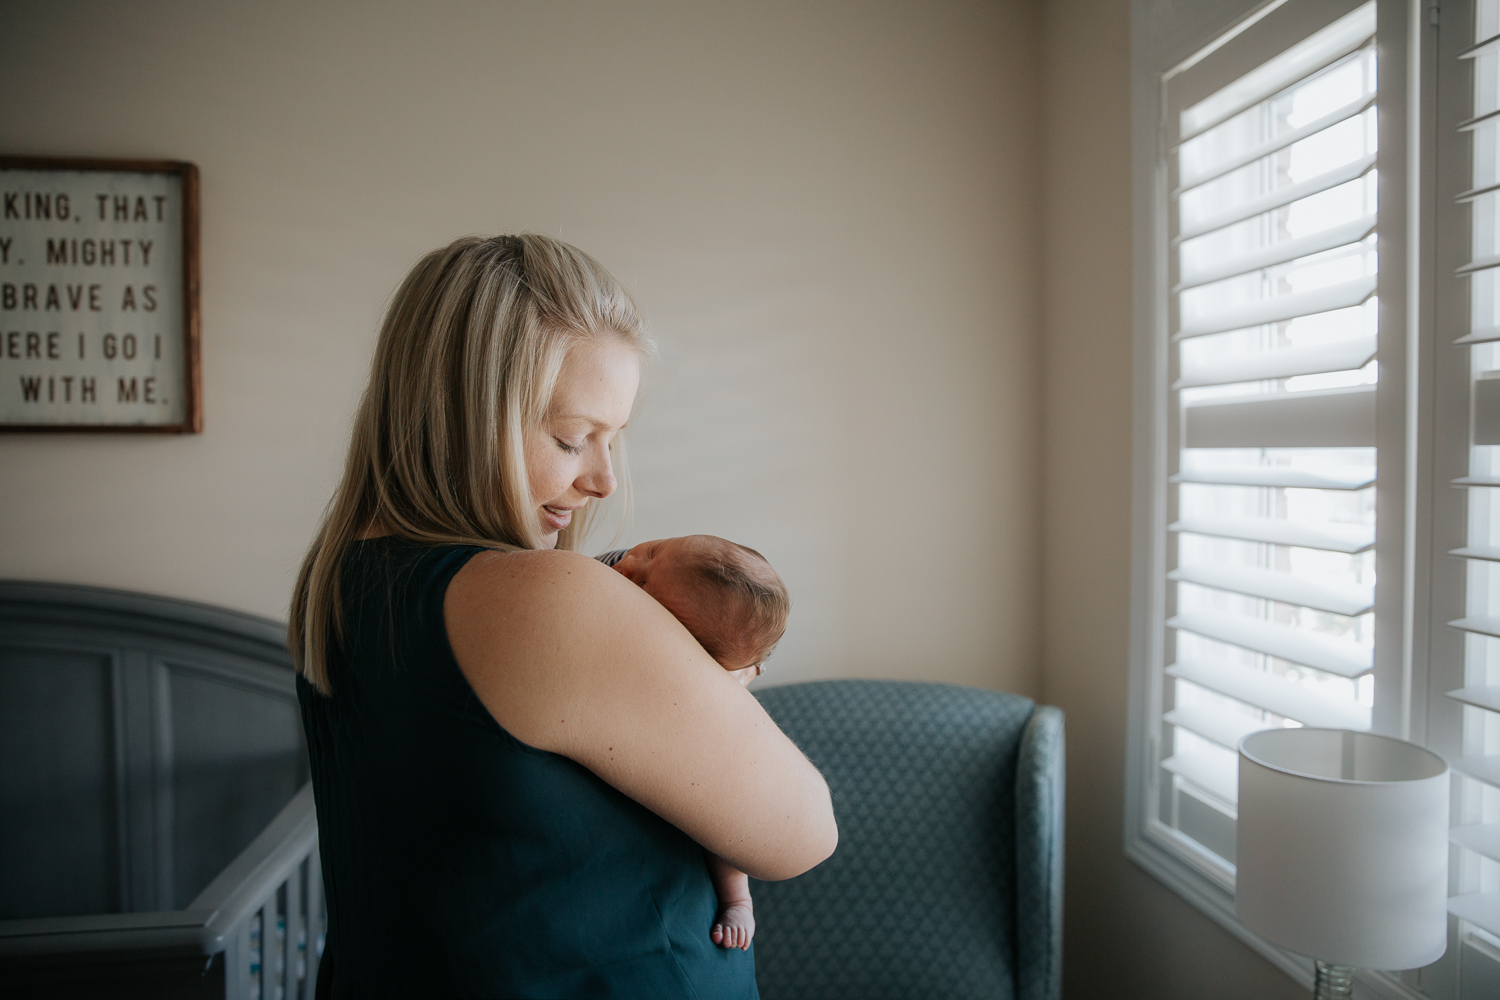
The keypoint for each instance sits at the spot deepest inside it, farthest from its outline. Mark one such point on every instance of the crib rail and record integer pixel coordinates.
(264, 913)
(266, 909)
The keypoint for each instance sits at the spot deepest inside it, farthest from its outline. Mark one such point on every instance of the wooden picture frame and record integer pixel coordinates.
(99, 284)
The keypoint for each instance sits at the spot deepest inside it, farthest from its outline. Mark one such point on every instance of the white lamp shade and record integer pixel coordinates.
(1342, 846)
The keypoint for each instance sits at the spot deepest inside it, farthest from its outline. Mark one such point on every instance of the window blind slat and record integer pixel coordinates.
(1328, 536)
(1209, 775)
(1481, 264)
(1217, 170)
(1274, 693)
(1475, 481)
(1278, 253)
(1480, 48)
(1485, 768)
(1480, 908)
(1485, 335)
(1483, 838)
(1470, 124)
(1278, 586)
(1279, 198)
(1475, 193)
(1348, 477)
(1335, 418)
(1348, 34)
(1487, 698)
(1281, 307)
(1476, 552)
(1478, 624)
(1223, 728)
(1313, 649)
(1315, 359)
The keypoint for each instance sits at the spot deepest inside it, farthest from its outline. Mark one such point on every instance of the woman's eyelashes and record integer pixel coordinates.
(571, 449)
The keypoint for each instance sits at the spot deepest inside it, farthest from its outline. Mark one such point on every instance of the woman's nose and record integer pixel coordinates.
(598, 479)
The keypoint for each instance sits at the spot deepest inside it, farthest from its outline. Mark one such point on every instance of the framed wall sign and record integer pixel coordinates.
(99, 295)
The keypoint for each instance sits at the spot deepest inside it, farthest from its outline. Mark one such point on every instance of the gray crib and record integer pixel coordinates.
(157, 832)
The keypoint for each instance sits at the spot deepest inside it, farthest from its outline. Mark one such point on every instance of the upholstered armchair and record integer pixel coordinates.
(947, 881)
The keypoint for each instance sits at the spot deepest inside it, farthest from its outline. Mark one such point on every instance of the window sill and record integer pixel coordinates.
(1217, 903)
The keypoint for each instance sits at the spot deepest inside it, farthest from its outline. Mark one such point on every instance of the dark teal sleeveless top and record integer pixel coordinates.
(459, 861)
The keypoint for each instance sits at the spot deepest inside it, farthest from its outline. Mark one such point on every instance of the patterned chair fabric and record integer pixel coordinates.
(947, 881)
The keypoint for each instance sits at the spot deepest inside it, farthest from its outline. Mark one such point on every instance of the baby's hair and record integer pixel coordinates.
(751, 616)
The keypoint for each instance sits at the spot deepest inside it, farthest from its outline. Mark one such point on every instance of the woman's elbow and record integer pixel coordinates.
(827, 842)
(819, 837)
(827, 839)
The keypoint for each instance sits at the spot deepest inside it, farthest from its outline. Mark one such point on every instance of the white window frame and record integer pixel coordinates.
(1166, 35)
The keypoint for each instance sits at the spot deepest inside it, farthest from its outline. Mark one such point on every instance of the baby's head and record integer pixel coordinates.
(727, 595)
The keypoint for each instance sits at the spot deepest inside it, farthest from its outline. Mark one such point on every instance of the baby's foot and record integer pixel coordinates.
(735, 926)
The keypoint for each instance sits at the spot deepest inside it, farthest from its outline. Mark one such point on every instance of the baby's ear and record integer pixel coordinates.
(745, 674)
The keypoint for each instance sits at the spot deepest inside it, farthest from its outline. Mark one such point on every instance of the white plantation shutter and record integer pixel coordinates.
(1271, 426)
(1260, 343)
(1466, 725)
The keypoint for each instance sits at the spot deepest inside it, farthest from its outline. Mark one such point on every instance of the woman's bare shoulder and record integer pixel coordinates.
(532, 565)
(507, 612)
(542, 588)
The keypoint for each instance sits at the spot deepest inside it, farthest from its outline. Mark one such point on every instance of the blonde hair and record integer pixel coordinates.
(467, 360)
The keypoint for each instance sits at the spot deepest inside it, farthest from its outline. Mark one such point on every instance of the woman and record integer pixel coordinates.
(518, 756)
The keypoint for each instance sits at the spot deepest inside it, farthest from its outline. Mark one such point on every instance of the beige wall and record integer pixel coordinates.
(828, 210)
(1126, 934)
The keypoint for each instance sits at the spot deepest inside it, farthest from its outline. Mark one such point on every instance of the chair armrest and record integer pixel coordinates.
(1039, 856)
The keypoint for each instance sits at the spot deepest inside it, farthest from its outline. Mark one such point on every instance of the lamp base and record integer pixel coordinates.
(1333, 981)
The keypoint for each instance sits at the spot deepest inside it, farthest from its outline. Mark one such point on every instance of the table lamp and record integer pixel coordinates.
(1342, 850)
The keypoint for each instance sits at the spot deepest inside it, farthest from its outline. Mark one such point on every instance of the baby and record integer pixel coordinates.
(735, 605)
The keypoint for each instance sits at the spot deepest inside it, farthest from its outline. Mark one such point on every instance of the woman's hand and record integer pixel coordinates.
(569, 656)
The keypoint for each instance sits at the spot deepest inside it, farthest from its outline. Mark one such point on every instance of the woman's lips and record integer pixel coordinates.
(558, 517)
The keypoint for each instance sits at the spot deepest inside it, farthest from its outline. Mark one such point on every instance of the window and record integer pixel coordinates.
(1318, 405)
(1465, 709)
(1271, 425)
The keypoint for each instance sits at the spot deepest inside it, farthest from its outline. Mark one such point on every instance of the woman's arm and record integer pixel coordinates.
(571, 657)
